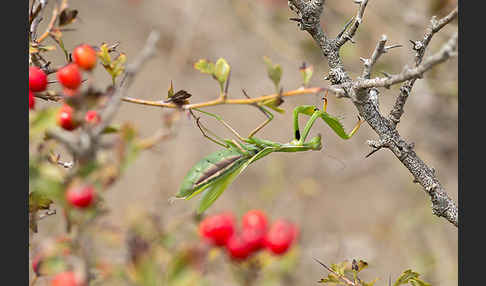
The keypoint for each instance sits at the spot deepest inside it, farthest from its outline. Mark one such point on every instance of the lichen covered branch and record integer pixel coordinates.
(363, 93)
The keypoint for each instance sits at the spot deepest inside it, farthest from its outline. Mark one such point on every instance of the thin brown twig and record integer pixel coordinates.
(50, 26)
(219, 101)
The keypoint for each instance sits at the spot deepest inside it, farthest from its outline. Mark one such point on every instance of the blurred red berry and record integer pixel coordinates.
(69, 76)
(92, 117)
(280, 237)
(254, 237)
(31, 100)
(255, 219)
(69, 92)
(217, 228)
(85, 56)
(238, 248)
(67, 278)
(65, 118)
(80, 196)
(37, 79)
(36, 264)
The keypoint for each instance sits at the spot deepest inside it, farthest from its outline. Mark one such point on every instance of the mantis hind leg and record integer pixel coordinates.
(205, 131)
(265, 111)
(220, 119)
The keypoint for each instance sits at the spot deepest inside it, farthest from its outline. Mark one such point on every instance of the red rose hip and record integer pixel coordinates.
(217, 228)
(280, 237)
(255, 219)
(69, 76)
(65, 118)
(31, 100)
(238, 248)
(85, 56)
(92, 117)
(36, 262)
(80, 196)
(255, 238)
(37, 79)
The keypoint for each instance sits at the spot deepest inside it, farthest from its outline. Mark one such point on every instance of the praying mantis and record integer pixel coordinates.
(215, 172)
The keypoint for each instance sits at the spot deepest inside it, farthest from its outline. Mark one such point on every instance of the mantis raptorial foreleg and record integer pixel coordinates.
(330, 120)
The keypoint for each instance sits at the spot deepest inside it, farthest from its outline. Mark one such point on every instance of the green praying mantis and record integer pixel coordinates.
(215, 172)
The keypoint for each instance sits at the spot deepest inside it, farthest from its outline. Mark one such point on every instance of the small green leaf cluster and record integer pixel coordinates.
(113, 66)
(219, 71)
(346, 273)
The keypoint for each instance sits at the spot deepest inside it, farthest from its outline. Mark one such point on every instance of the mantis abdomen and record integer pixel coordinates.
(209, 168)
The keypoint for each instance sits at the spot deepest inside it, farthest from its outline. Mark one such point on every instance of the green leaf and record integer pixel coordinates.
(38, 201)
(274, 72)
(43, 188)
(221, 71)
(41, 120)
(361, 264)
(371, 283)
(117, 67)
(86, 169)
(113, 67)
(170, 92)
(111, 129)
(131, 148)
(418, 282)
(306, 72)
(331, 278)
(204, 66)
(104, 55)
(339, 268)
(273, 104)
(409, 276)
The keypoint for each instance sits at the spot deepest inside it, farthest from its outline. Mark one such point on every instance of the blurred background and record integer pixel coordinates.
(345, 205)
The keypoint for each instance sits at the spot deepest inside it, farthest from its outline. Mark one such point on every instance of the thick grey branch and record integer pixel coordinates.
(360, 91)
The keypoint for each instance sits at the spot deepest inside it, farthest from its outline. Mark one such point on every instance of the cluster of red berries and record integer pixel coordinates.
(220, 230)
(84, 57)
